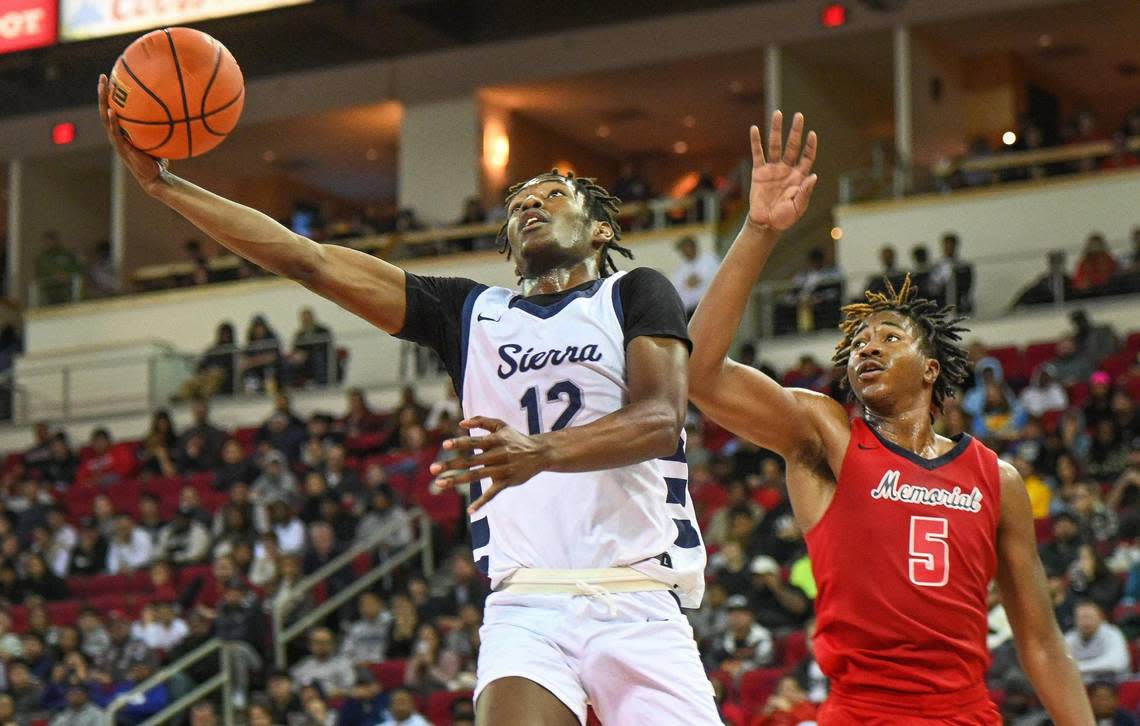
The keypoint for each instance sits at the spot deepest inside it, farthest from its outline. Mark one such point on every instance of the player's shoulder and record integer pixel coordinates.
(643, 276)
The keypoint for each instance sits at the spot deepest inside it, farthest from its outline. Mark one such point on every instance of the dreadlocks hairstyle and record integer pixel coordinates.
(939, 327)
(601, 205)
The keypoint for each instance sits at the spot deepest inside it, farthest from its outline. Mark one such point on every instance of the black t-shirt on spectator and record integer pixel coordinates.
(434, 316)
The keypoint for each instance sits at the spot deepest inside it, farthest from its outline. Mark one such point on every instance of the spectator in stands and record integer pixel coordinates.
(239, 621)
(1058, 554)
(342, 520)
(366, 638)
(261, 359)
(463, 639)
(277, 481)
(130, 549)
(212, 437)
(11, 587)
(384, 511)
(159, 628)
(720, 529)
(200, 633)
(25, 690)
(281, 701)
(1106, 706)
(95, 638)
(745, 644)
(284, 430)
(56, 270)
(1040, 494)
(332, 672)
(1129, 261)
(161, 586)
(1090, 580)
(808, 373)
(817, 290)
(366, 705)
(1043, 393)
(40, 580)
(288, 527)
(777, 604)
(444, 413)
(630, 185)
(215, 372)
(37, 457)
(235, 467)
(890, 272)
(314, 493)
(312, 345)
(473, 213)
(184, 541)
(1109, 454)
(951, 280)
(143, 706)
(402, 710)
(61, 469)
(1098, 647)
(236, 529)
(203, 713)
(124, 650)
(920, 270)
(405, 622)
(80, 711)
(103, 273)
(63, 540)
(360, 419)
(1097, 523)
(1095, 267)
(788, 705)
(150, 516)
(694, 274)
(323, 549)
(106, 465)
(341, 480)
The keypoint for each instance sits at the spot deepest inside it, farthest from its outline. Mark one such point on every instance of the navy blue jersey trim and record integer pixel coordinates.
(687, 537)
(618, 309)
(675, 490)
(549, 311)
(961, 443)
(480, 533)
(678, 455)
(465, 334)
(484, 565)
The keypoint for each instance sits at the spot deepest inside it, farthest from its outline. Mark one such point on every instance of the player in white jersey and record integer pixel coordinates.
(579, 382)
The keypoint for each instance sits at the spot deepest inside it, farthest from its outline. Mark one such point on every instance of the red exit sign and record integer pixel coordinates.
(27, 24)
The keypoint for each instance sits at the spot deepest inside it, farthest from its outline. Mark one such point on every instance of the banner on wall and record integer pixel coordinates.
(83, 19)
(26, 24)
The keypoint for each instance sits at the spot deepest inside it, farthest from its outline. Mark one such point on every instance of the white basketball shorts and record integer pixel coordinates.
(630, 655)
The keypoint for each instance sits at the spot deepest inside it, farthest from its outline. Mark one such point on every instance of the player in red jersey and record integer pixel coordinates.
(905, 528)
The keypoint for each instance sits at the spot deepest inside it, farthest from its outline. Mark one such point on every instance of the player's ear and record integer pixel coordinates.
(603, 232)
(933, 368)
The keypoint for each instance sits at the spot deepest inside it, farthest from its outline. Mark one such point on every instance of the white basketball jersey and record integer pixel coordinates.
(545, 368)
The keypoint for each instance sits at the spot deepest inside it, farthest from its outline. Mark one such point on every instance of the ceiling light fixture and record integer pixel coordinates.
(680, 147)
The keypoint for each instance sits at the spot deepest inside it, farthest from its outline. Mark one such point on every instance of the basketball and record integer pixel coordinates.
(177, 93)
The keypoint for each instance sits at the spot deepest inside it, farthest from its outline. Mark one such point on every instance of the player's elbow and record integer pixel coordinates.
(664, 426)
(305, 264)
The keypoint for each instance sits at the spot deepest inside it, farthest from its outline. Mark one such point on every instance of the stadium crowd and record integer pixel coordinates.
(119, 556)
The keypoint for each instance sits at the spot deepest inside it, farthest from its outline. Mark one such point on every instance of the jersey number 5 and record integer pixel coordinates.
(929, 551)
(560, 390)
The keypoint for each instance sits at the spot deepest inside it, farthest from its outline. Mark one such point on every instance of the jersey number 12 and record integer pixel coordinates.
(567, 390)
(929, 563)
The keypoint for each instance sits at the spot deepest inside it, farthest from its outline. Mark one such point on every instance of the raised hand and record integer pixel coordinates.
(146, 169)
(782, 183)
(508, 458)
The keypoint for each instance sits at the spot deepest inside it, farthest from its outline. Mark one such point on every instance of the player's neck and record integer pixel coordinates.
(911, 429)
(560, 278)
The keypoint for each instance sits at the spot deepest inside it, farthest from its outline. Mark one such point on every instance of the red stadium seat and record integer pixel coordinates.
(1051, 420)
(1012, 362)
(1044, 529)
(390, 673)
(362, 563)
(1129, 694)
(1132, 343)
(793, 648)
(246, 437)
(1078, 394)
(439, 705)
(64, 612)
(756, 686)
(1038, 353)
(1116, 364)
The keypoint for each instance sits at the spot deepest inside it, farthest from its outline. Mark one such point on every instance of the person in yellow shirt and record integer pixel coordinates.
(1040, 494)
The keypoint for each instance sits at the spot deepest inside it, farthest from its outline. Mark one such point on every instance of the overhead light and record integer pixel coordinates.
(680, 147)
(836, 233)
(1009, 138)
(372, 154)
(689, 122)
(602, 131)
(1044, 40)
(269, 156)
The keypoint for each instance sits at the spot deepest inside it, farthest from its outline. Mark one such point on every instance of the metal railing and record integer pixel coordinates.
(236, 353)
(284, 634)
(222, 681)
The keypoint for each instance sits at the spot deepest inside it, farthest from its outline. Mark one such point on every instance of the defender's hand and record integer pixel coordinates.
(508, 458)
(782, 183)
(146, 169)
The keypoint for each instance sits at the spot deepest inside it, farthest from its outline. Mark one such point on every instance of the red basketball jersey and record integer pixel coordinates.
(903, 558)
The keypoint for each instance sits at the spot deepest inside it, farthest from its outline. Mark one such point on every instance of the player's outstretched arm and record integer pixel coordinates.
(1025, 595)
(738, 397)
(361, 283)
(647, 427)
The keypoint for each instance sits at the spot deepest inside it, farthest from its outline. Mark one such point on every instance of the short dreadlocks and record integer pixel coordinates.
(939, 327)
(601, 205)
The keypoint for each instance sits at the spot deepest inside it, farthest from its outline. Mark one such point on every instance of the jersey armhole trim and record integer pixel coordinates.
(465, 334)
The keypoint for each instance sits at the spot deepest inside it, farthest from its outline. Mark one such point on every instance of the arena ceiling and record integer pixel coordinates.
(324, 33)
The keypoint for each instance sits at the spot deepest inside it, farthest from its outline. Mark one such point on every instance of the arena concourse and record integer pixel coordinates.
(215, 495)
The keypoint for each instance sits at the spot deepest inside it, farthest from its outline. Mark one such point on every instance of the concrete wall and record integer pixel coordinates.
(1006, 231)
(440, 148)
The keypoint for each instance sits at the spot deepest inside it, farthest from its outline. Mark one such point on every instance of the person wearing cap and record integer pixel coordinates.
(745, 644)
(184, 540)
(1061, 552)
(694, 274)
(80, 711)
(778, 603)
(277, 481)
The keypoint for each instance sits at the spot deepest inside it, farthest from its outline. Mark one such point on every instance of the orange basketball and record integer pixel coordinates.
(176, 92)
